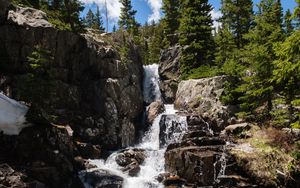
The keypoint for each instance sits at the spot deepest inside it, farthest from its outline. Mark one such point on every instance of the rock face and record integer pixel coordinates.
(169, 72)
(90, 87)
(3, 10)
(153, 110)
(202, 97)
(28, 17)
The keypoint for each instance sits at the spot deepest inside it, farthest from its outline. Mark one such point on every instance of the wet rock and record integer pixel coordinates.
(202, 96)
(153, 110)
(161, 177)
(101, 179)
(236, 128)
(194, 164)
(170, 125)
(129, 156)
(196, 134)
(82, 164)
(89, 151)
(26, 16)
(174, 181)
(131, 160)
(133, 169)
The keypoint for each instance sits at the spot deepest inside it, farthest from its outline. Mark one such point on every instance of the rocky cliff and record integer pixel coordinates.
(202, 97)
(83, 96)
(169, 72)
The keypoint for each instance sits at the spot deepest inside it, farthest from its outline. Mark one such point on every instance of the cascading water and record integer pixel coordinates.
(151, 84)
(154, 163)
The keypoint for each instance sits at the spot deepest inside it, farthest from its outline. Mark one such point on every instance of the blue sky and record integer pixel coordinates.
(150, 9)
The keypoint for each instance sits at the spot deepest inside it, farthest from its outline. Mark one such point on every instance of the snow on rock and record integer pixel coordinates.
(12, 116)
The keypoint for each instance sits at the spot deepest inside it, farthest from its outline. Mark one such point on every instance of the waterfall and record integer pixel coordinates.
(167, 126)
(151, 89)
(12, 116)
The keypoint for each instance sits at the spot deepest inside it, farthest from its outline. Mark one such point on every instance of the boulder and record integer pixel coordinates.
(236, 128)
(101, 179)
(48, 153)
(174, 181)
(131, 160)
(194, 164)
(25, 16)
(202, 97)
(153, 110)
(169, 72)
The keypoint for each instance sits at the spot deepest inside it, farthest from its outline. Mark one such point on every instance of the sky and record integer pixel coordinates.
(148, 10)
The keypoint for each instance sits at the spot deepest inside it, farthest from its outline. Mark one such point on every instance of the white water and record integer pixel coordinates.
(12, 116)
(154, 164)
(151, 89)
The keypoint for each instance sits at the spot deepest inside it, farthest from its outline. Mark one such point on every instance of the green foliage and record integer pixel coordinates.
(286, 74)
(127, 18)
(63, 14)
(238, 16)
(196, 35)
(37, 86)
(171, 10)
(288, 26)
(203, 71)
(259, 55)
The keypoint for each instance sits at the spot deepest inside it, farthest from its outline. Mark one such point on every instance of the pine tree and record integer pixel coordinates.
(171, 9)
(127, 18)
(238, 15)
(71, 12)
(89, 18)
(288, 26)
(195, 35)
(225, 43)
(259, 55)
(98, 21)
(296, 14)
(286, 74)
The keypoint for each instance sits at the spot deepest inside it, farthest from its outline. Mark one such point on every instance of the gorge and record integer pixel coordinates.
(83, 110)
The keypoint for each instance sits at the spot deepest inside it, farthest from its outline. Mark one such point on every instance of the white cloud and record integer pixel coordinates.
(113, 7)
(155, 6)
(215, 16)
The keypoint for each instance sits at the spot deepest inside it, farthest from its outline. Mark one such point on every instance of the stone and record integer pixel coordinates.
(194, 164)
(126, 157)
(174, 181)
(25, 16)
(169, 72)
(202, 97)
(101, 179)
(153, 110)
(237, 128)
(89, 151)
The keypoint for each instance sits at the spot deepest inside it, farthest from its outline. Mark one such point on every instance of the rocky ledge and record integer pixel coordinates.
(85, 99)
